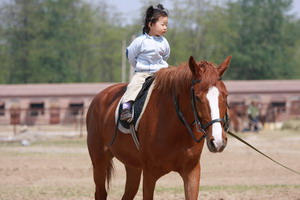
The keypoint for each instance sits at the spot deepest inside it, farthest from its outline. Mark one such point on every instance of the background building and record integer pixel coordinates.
(32, 104)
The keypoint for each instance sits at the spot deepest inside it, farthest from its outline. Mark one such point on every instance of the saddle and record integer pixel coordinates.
(138, 107)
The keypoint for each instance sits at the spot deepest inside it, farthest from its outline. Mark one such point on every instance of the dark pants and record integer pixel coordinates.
(253, 122)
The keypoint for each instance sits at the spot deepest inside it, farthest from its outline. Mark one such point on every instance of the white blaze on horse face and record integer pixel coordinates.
(213, 100)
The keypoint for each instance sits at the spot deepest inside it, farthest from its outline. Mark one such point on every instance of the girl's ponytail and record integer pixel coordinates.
(161, 7)
(147, 19)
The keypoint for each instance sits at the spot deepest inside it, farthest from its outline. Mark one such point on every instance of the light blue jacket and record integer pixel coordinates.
(148, 53)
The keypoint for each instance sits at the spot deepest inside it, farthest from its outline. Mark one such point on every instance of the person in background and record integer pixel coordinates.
(147, 54)
(253, 114)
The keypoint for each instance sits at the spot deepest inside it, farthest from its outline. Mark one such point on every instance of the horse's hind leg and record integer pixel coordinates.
(102, 169)
(101, 160)
(133, 177)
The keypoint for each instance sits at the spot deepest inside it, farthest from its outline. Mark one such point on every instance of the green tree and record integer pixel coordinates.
(262, 48)
(259, 34)
(40, 37)
(17, 38)
(187, 30)
(76, 41)
(60, 41)
(294, 49)
(3, 57)
(201, 29)
(104, 60)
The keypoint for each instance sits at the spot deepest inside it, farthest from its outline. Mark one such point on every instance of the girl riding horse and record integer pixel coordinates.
(195, 92)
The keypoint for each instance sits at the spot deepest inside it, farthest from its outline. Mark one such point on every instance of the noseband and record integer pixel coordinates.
(197, 121)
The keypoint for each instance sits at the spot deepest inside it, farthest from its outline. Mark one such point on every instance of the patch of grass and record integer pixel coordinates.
(60, 146)
(235, 188)
(243, 188)
(46, 192)
(55, 141)
(169, 189)
(10, 144)
(62, 142)
(269, 134)
(291, 125)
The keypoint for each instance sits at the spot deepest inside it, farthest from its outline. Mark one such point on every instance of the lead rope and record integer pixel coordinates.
(243, 141)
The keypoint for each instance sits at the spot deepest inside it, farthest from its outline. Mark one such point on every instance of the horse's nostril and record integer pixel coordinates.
(212, 144)
(217, 147)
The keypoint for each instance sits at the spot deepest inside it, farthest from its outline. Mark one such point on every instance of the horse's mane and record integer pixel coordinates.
(179, 79)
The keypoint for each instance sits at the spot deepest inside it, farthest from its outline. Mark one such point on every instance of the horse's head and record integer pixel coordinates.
(210, 101)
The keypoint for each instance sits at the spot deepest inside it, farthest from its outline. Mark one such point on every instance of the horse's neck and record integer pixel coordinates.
(185, 105)
(166, 102)
(170, 125)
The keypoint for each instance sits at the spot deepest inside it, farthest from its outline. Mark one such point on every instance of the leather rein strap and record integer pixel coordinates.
(201, 128)
(252, 147)
(183, 120)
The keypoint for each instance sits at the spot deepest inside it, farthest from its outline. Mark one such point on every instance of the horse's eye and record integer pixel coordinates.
(198, 99)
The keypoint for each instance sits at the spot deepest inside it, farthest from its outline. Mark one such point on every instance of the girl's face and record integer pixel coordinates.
(159, 28)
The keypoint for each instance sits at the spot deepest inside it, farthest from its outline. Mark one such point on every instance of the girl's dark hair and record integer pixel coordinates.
(152, 15)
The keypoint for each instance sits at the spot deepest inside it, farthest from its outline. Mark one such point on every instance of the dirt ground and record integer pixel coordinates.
(50, 166)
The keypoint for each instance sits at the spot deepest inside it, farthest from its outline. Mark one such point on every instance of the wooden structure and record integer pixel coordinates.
(30, 104)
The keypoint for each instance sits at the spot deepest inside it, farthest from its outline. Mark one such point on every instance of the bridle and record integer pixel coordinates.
(197, 121)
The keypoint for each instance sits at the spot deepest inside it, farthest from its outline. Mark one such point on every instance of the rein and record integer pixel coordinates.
(252, 147)
(202, 128)
(197, 122)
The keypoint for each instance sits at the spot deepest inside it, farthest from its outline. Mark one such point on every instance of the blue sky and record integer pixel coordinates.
(131, 7)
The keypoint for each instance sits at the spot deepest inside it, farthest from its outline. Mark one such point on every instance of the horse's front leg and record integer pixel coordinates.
(191, 179)
(150, 176)
(133, 177)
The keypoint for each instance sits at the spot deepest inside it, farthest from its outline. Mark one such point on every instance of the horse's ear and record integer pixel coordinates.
(193, 65)
(222, 68)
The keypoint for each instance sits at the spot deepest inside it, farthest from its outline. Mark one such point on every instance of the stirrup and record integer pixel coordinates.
(126, 115)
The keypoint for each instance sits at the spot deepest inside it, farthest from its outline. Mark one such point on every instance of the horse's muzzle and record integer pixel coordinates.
(213, 147)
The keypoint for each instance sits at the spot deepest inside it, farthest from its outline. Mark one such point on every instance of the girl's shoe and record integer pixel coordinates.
(126, 115)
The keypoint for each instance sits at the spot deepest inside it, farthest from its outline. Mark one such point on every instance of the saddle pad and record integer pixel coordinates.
(138, 108)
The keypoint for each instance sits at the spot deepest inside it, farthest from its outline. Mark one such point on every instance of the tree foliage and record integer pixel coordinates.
(76, 41)
(262, 49)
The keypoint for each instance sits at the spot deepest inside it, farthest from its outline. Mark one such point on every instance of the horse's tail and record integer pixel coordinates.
(109, 172)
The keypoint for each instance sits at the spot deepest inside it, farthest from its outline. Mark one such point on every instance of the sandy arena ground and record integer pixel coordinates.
(58, 168)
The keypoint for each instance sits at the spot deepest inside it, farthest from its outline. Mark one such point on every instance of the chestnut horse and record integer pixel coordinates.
(165, 142)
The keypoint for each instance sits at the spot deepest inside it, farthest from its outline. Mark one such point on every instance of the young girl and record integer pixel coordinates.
(147, 54)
